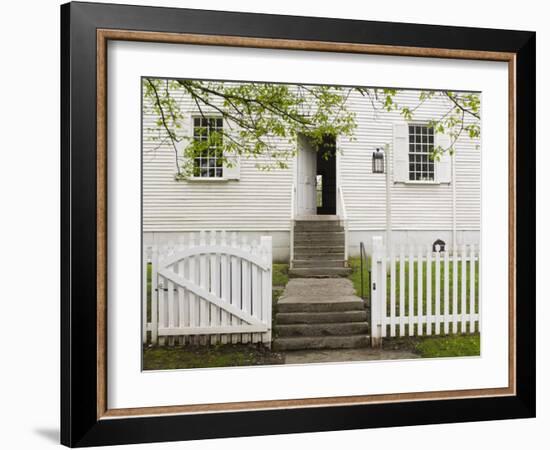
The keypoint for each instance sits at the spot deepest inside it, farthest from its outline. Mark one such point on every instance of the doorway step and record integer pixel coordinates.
(319, 247)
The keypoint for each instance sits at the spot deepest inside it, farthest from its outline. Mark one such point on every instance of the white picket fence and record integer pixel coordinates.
(446, 300)
(216, 289)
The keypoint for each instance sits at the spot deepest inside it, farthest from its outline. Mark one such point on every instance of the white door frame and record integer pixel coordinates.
(310, 209)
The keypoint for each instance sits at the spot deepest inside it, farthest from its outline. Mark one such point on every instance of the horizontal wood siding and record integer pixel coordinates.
(260, 200)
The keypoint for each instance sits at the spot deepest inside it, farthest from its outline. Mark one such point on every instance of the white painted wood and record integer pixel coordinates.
(463, 312)
(443, 167)
(402, 291)
(225, 285)
(383, 296)
(213, 295)
(411, 290)
(306, 177)
(204, 283)
(162, 306)
(171, 308)
(232, 168)
(455, 290)
(401, 151)
(194, 301)
(445, 291)
(154, 295)
(235, 287)
(378, 253)
(428, 290)
(144, 300)
(255, 302)
(245, 289)
(393, 312)
(445, 315)
(472, 288)
(176, 331)
(267, 283)
(239, 205)
(419, 293)
(182, 304)
(437, 276)
(214, 286)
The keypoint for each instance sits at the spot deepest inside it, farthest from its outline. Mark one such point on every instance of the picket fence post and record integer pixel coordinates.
(378, 280)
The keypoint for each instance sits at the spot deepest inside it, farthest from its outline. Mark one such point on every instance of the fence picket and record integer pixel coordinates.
(154, 295)
(402, 291)
(420, 293)
(204, 279)
(236, 295)
(411, 290)
(144, 299)
(439, 308)
(455, 291)
(463, 291)
(266, 243)
(170, 309)
(182, 313)
(245, 287)
(445, 292)
(194, 301)
(429, 291)
(225, 286)
(392, 294)
(214, 286)
(384, 295)
(255, 300)
(472, 288)
(437, 276)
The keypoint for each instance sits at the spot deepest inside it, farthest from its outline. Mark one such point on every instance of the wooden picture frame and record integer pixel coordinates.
(85, 417)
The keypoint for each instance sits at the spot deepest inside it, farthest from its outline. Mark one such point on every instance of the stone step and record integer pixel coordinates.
(284, 318)
(319, 256)
(320, 241)
(322, 329)
(319, 272)
(317, 234)
(299, 263)
(317, 249)
(319, 303)
(301, 226)
(318, 342)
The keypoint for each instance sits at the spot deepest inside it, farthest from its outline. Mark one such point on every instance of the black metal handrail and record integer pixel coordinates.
(363, 263)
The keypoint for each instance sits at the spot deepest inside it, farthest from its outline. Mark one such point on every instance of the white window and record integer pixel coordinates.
(209, 163)
(421, 145)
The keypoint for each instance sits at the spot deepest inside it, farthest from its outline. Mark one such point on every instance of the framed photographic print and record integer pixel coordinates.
(277, 224)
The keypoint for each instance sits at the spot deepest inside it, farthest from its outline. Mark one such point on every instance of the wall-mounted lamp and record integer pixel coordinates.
(378, 161)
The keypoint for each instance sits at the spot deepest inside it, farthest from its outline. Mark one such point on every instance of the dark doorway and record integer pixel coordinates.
(326, 176)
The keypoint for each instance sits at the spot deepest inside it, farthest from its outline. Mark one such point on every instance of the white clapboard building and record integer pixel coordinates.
(319, 206)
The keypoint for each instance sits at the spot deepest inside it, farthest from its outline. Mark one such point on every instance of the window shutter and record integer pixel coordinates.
(443, 166)
(233, 172)
(401, 152)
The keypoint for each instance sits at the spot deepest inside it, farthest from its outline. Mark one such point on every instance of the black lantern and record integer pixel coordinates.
(378, 161)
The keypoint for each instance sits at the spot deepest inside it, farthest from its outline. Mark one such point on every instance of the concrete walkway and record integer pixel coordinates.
(345, 355)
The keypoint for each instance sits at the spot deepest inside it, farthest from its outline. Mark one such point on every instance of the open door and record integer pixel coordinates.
(306, 193)
(326, 176)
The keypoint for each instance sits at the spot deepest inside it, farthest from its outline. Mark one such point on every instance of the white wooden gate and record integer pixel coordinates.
(417, 291)
(214, 290)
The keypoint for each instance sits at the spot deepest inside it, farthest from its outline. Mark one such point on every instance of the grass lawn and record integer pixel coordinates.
(437, 346)
(280, 274)
(355, 277)
(426, 346)
(193, 357)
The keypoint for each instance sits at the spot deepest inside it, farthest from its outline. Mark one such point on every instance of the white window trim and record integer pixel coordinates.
(195, 114)
(433, 182)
